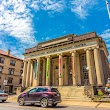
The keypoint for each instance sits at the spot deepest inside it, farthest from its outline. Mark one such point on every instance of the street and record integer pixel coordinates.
(15, 106)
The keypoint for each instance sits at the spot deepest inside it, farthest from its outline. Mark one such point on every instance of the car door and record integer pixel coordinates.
(39, 94)
(30, 95)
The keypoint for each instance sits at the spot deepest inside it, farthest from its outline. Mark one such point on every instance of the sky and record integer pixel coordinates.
(25, 23)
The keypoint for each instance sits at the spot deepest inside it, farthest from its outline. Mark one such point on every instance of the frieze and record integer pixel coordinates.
(61, 49)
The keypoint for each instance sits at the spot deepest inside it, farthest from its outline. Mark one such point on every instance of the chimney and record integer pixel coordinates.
(8, 52)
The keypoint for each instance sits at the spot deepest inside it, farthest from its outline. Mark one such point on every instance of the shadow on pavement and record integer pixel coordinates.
(48, 106)
(4, 102)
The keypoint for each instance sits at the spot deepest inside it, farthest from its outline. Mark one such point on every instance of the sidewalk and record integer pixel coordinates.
(73, 103)
(86, 104)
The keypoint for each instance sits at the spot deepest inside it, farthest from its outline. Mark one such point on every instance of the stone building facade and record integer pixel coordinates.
(67, 61)
(11, 69)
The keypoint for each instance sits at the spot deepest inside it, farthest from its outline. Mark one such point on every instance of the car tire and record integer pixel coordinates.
(53, 105)
(3, 100)
(44, 102)
(32, 104)
(21, 101)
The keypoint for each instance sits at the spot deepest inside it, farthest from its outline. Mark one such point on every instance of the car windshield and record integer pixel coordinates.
(1, 91)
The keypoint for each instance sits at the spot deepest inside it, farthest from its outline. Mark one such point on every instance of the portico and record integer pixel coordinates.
(66, 61)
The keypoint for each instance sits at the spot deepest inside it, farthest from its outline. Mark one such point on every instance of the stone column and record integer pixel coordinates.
(74, 68)
(24, 74)
(44, 72)
(60, 70)
(48, 71)
(98, 66)
(66, 73)
(78, 69)
(28, 73)
(31, 74)
(89, 65)
(38, 72)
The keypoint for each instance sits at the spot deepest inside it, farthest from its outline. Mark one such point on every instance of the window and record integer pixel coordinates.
(22, 65)
(32, 90)
(12, 62)
(54, 90)
(85, 73)
(42, 89)
(10, 80)
(2, 60)
(20, 81)
(1, 68)
(56, 67)
(11, 71)
(21, 72)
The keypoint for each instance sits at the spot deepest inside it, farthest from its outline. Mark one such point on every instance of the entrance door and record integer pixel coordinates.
(11, 89)
(84, 71)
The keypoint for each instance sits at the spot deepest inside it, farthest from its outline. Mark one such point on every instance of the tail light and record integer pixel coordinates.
(3, 95)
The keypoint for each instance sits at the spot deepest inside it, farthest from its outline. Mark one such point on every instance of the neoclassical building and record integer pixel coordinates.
(70, 60)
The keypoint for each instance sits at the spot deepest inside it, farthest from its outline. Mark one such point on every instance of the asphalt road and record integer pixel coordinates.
(15, 106)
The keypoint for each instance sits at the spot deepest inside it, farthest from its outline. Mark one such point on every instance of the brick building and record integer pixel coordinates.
(11, 69)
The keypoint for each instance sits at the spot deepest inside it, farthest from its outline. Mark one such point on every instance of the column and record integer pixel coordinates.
(38, 72)
(98, 66)
(44, 72)
(60, 70)
(35, 66)
(78, 69)
(24, 74)
(74, 68)
(28, 73)
(66, 72)
(31, 73)
(48, 71)
(89, 65)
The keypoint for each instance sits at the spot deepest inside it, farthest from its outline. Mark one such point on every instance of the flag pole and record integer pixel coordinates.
(108, 9)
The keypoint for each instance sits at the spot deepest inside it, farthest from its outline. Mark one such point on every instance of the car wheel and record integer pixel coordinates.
(44, 102)
(53, 105)
(21, 101)
(32, 103)
(3, 100)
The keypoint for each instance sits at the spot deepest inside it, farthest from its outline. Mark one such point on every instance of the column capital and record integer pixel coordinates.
(60, 54)
(87, 49)
(25, 60)
(97, 47)
(73, 51)
(29, 60)
(48, 56)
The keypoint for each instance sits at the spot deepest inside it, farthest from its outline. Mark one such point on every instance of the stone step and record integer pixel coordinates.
(77, 99)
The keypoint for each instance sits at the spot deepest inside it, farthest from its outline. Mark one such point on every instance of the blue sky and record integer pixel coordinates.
(24, 23)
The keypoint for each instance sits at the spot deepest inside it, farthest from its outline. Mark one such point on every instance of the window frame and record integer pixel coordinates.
(12, 62)
(2, 61)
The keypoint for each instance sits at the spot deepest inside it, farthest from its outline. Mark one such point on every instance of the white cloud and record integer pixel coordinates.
(52, 5)
(81, 7)
(106, 34)
(106, 37)
(16, 22)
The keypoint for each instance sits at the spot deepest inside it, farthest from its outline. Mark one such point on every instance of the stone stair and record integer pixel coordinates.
(73, 93)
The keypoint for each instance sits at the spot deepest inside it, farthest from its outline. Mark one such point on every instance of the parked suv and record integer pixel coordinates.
(40, 95)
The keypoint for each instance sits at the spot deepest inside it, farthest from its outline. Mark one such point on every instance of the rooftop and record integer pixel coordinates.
(2, 52)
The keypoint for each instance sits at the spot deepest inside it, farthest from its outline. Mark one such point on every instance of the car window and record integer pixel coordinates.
(32, 90)
(42, 90)
(1, 91)
(54, 90)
